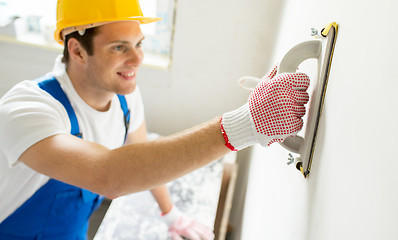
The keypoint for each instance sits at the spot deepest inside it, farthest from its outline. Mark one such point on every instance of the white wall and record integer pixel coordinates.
(21, 62)
(351, 192)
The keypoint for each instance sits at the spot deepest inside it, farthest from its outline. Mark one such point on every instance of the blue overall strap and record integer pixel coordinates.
(126, 113)
(53, 87)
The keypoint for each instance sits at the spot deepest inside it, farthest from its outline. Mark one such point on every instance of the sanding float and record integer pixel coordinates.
(321, 49)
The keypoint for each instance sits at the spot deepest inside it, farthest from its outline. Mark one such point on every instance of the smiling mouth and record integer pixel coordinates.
(127, 75)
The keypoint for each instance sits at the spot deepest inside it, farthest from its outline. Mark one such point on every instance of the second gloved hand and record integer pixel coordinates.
(273, 112)
(182, 226)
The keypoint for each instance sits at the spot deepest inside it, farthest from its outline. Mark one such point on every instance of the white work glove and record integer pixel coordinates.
(273, 112)
(181, 226)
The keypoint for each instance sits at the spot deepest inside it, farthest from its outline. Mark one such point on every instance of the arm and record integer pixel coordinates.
(130, 168)
(273, 112)
(161, 193)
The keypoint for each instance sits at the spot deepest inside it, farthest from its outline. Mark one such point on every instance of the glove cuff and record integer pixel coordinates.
(237, 127)
(171, 216)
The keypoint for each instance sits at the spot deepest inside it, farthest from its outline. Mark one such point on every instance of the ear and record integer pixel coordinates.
(76, 52)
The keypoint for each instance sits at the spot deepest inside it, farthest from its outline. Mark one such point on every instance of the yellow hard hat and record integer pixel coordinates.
(76, 15)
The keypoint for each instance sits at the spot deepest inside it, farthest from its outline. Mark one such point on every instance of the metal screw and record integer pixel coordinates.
(290, 159)
(315, 33)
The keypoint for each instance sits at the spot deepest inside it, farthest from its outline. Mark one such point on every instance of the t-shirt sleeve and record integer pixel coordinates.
(137, 112)
(28, 115)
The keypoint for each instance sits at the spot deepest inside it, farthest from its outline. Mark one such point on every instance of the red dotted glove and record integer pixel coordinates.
(273, 112)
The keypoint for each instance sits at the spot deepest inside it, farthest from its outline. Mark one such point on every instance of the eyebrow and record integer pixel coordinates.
(125, 42)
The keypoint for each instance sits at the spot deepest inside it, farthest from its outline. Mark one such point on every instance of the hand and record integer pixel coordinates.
(181, 226)
(273, 112)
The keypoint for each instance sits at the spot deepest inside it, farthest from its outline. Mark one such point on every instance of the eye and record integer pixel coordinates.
(139, 44)
(119, 48)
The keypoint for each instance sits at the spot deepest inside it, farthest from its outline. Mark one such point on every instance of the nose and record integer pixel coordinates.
(135, 58)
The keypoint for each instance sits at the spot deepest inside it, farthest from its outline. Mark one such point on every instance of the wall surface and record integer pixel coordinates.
(351, 192)
(21, 62)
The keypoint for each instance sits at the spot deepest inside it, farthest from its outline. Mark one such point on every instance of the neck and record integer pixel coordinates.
(94, 97)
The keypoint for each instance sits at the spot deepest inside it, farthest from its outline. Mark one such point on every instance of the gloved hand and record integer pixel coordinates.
(273, 111)
(182, 226)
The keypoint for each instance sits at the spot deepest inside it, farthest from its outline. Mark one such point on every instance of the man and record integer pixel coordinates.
(58, 157)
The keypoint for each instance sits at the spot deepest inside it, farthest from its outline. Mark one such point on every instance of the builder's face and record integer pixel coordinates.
(117, 56)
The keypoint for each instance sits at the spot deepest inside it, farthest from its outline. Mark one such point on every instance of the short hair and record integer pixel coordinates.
(86, 40)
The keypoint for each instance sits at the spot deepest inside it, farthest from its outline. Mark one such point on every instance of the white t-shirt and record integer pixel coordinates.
(28, 115)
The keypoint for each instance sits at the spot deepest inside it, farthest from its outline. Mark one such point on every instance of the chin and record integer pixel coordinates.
(126, 90)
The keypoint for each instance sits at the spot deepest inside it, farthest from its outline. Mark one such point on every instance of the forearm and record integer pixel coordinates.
(131, 168)
(162, 197)
(143, 166)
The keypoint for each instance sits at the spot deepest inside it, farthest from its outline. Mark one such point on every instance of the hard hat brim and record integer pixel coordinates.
(84, 25)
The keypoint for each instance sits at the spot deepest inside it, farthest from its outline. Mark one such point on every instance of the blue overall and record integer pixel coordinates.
(56, 211)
